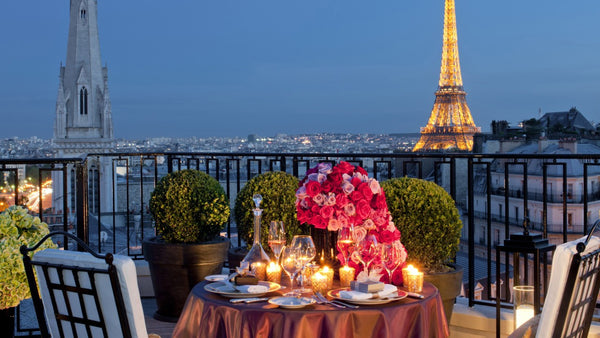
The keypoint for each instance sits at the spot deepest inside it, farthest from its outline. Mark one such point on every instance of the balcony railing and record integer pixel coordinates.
(103, 198)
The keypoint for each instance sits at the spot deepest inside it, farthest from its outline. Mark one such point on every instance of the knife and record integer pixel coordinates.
(414, 295)
(248, 300)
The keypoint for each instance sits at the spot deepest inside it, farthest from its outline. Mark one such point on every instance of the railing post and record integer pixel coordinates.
(82, 202)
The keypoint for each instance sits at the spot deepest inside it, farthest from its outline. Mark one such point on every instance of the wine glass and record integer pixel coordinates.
(367, 251)
(344, 242)
(390, 258)
(291, 266)
(276, 238)
(306, 253)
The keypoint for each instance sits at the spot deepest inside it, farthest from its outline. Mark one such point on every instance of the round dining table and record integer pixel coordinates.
(207, 314)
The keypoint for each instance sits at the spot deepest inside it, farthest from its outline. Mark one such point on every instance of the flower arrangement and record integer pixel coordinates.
(17, 228)
(344, 196)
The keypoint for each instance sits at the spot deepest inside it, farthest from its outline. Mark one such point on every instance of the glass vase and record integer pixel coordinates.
(326, 246)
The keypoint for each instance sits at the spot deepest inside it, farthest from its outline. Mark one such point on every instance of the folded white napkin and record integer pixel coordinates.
(388, 290)
(252, 288)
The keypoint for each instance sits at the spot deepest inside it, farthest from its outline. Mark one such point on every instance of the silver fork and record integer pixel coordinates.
(334, 303)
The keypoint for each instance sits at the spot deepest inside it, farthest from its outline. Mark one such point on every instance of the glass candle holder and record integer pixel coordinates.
(405, 273)
(260, 270)
(274, 273)
(319, 283)
(346, 276)
(328, 272)
(309, 270)
(414, 281)
(523, 304)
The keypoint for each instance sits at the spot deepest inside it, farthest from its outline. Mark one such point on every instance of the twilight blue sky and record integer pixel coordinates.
(232, 67)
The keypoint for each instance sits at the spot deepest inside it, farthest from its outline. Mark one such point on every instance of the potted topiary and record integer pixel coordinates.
(17, 228)
(190, 209)
(278, 191)
(431, 226)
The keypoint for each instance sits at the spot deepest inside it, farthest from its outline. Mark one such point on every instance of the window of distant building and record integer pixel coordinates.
(482, 236)
(496, 236)
(83, 101)
(83, 13)
(570, 221)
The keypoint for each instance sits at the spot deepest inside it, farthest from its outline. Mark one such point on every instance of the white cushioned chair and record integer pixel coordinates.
(84, 294)
(572, 292)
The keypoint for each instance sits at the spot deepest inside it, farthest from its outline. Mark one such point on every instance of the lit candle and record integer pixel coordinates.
(346, 276)
(259, 269)
(319, 283)
(414, 281)
(405, 273)
(522, 314)
(326, 271)
(274, 273)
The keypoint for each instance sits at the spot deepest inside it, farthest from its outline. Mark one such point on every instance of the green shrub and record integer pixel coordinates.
(278, 190)
(189, 206)
(17, 228)
(428, 219)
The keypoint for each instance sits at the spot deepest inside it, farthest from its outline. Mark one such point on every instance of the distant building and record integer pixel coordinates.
(572, 121)
(83, 122)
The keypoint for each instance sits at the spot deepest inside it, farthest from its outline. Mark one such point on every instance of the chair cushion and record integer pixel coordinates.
(561, 261)
(129, 289)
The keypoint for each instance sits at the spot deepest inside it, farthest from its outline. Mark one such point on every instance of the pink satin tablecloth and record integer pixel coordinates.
(210, 315)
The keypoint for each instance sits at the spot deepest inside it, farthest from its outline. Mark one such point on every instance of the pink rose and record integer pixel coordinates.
(330, 200)
(333, 225)
(359, 233)
(313, 188)
(319, 199)
(349, 209)
(326, 212)
(301, 192)
(375, 187)
(369, 224)
(347, 187)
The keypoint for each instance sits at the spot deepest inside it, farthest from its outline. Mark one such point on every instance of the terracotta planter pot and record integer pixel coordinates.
(176, 268)
(449, 284)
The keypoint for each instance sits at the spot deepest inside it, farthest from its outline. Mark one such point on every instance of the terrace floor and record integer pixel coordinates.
(163, 329)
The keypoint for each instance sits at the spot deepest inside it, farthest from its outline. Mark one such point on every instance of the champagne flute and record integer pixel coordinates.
(291, 266)
(276, 238)
(344, 242)
(306, 253)
(390, 258)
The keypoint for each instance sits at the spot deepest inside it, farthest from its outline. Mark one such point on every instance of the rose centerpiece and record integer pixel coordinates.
(330, 198)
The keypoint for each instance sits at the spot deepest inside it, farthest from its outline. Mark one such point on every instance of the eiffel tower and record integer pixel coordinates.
(450, 125)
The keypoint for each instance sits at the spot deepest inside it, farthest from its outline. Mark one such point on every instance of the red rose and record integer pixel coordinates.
(355, 181)
(341, 200)
(365, 190)
(363, 209)
(313, 188)
(326, 186)
(345, 167)
(318, 222)
(326, 212)
(356, 196)
(315, 209)
(379, 202)
(386, 236)
(335, 178)
(397, 276)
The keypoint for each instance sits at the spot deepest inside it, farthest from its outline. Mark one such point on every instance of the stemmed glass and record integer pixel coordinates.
(344, 242)
(291, 265)
(390, 258)
(367, 250)
(306, 253)
(276, 238)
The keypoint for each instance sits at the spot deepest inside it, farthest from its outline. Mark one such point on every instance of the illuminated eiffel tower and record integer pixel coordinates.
(450, 125)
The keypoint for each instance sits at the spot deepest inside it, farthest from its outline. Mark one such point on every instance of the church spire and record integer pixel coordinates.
(450, 124)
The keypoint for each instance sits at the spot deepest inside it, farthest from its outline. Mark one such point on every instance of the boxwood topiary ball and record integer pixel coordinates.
(189, 206)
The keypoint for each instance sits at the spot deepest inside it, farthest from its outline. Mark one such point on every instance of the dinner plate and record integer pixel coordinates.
(291, 302)
(227, 290)
(372, 301)
(216, 278)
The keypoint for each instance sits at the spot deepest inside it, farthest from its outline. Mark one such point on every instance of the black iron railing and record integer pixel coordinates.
(105, 196)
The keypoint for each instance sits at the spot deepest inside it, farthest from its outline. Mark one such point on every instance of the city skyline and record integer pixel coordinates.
(233, 68)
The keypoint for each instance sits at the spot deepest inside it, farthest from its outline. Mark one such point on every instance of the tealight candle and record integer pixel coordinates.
(328, 272)
(274, 273)
(414, 281)
(260, 270)
(319, 283)
(405, 273)
(346, 275)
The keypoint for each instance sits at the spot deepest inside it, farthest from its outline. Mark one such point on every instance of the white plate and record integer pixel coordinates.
(291, 302)
(221, 288)
(216, 278)
(373, 301)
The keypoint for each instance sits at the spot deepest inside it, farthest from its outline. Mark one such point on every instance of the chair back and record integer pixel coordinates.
(573, 290)
(84, 294)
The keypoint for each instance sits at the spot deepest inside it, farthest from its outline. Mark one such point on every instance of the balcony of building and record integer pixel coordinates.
(103, 199)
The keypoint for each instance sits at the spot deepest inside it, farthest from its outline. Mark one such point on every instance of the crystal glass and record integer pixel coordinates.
(291, 266)
(390, 258)
(276, 238)
(367, 251)
(306, 253)
(257, 253)
(344, 243)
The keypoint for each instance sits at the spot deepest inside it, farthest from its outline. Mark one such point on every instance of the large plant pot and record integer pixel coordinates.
(176, 268)
(449, 284)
